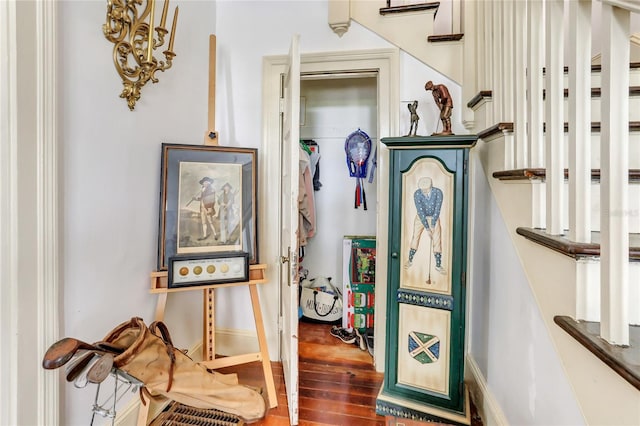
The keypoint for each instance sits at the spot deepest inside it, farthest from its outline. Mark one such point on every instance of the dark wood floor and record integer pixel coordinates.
(338, 383)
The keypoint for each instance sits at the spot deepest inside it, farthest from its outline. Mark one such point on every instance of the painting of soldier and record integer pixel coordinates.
(209, 207)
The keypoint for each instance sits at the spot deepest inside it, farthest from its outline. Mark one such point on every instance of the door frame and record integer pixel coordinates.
(30, 216)
(327, 65)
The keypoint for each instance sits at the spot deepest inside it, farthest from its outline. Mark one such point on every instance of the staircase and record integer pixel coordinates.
(564, 170)
(408, 27)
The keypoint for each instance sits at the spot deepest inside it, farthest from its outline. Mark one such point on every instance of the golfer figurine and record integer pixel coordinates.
(444, 102)
(428, 201)
(413, 107)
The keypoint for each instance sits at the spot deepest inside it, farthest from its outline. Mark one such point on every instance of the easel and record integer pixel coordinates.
(159, 286)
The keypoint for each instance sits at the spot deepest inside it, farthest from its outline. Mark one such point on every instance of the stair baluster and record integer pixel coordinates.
(535, 82)
(579, 118)
(554, 132)
(614, 181)
(520, 85)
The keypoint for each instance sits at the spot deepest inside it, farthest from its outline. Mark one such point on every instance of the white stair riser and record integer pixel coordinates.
(634, 108)
(634, 150)
(483, 114)
(634, 78)
(588, 306)
(633, 210)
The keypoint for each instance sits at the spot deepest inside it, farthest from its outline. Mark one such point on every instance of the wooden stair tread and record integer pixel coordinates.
(565, 246)
(483, 94)
(597, 67)
(540, 174)
(596, 92)
(634, 126)
(623, 360)
(409, 8)
(495, 129)
(445, 37)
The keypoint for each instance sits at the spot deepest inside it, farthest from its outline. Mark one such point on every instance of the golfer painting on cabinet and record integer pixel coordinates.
(427, 206)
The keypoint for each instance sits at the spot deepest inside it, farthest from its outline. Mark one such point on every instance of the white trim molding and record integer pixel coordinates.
(631, 5)
(339, 17)
(386, 62)
(486, 403)
(48, 220)
(29, 219)
(8, 214)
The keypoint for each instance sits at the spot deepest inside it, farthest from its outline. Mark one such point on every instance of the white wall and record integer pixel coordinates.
(414, 75)
(508, 338)
(111, 176)
(334, 109)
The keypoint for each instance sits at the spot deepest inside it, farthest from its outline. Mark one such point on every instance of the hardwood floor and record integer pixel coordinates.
(338, 383)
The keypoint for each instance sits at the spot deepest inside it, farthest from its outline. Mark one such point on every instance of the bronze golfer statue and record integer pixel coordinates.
(444, 102)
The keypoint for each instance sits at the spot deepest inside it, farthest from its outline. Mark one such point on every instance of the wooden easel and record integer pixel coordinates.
(159, 286)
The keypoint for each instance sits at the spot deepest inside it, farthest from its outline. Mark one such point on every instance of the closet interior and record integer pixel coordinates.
(338, 205)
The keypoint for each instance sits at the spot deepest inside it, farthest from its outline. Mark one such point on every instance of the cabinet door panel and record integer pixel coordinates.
(426, 228)
(423, 348)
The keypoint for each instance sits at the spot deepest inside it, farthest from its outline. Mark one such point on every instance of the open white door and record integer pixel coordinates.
(289, 236)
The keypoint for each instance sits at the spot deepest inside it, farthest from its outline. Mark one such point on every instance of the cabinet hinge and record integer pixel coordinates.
(464, 279)
(279, 323)
(281, 106)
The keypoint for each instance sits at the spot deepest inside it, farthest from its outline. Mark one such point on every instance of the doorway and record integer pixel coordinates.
(331, 109)
(384, 63)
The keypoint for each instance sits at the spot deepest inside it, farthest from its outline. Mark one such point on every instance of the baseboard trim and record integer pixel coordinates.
(231, 342)
(486, 403)
(228, 342)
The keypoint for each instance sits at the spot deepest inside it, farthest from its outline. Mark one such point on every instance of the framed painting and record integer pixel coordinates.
(208, 201)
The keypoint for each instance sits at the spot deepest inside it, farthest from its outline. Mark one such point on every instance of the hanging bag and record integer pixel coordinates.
(320, 301)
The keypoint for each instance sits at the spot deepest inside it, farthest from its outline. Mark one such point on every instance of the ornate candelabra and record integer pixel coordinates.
(134, 42)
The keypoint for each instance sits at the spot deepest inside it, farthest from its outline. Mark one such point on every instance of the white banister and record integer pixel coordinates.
(554, 115)
(508, 35)
(536, 38)
(488, 55)
(520, 84)
(506, 79)
(470, 61)
(456, 16)
(480, 31)
(579, 117)
(614, 150)
(496, 59)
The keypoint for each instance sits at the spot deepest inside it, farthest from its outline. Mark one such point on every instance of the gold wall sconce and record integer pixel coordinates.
(134, 42)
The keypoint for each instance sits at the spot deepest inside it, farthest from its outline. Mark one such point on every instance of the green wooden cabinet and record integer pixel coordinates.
(425, 346)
